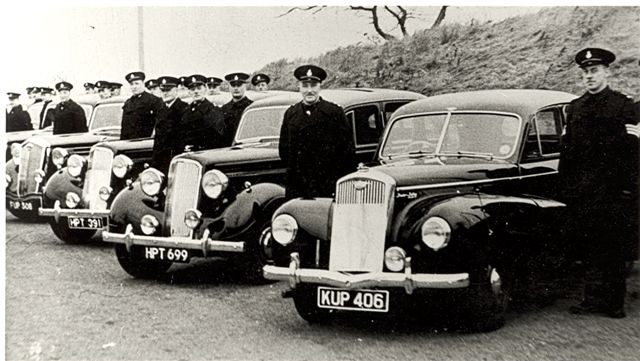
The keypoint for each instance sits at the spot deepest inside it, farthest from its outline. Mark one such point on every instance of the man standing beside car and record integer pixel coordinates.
(165, 130)
(69, 117)
(235, 107)
(316, 141)
(598, 182)
(142, 111)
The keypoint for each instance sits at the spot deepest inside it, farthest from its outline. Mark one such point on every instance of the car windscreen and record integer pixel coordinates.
(260, 123)
(106, 115)
(465, 133)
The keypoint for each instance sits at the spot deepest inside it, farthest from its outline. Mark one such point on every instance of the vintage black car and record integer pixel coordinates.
(463, 193)
(111, 165)
(42, 155)
(219, 202)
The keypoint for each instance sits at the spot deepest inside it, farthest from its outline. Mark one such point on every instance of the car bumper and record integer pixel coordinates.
(56, 212)
(410, 281)
(204, 244)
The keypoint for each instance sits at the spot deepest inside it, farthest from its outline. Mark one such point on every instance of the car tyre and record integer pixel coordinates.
(489, 299)
(256, 258)
(26, 216)
(67, 235)
(139, 268)
(305, 300)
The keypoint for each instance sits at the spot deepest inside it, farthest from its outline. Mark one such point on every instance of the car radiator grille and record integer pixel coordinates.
(359, 225)
(182, 194)
(32, 158)
(98, 176)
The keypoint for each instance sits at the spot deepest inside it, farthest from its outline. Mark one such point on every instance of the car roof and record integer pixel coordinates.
(519, 101)
(113, 100)
(344, 97)
(91, 99)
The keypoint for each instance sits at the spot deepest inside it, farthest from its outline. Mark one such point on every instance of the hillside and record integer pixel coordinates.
(530, 51)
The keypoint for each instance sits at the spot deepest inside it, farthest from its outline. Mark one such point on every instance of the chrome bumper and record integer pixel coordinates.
(296, 275)
(56, 212)
(204, 244)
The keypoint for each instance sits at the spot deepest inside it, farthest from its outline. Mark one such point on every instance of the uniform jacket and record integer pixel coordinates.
(200, 127)
(140, 114)
(18, 119)
(232, 114)
(45, 122)
(69, 117)
(165, 136)
(316, 144)
(597, 157)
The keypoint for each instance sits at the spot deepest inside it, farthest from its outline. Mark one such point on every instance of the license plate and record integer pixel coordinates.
(22, 205)
(353, 300)
(85, 222)
(166, 254)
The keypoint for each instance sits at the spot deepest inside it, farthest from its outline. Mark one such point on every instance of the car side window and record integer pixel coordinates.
(367, 124)
(543, 137)
(389, 108)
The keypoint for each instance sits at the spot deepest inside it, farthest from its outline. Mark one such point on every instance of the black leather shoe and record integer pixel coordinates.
(618, 313)
(584, 308)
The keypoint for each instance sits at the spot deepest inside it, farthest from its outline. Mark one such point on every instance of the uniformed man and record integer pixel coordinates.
(89, 88)
(153, 87)
(213, 85)
(115, 88)
(165, 131)
(46, 97)
(261, 82)
(142, 111)
(202, 124)
(17, 118)
(104, 89)
(30, 93)
(37, 96)
(69, 117)
(316, 141)
(597, 174)
(235, 107)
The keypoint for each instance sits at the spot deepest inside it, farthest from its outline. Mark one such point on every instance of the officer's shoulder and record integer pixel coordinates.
(621, 95)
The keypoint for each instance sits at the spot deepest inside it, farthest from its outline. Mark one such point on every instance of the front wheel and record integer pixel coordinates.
(305, 298)
(27, 216)
(140, 268)
(71, 236)
(488, 301)
(258, 254)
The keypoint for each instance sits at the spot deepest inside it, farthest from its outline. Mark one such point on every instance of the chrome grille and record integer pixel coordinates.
(32, 158)
(98, 176)
(182, 194)
(360, 220)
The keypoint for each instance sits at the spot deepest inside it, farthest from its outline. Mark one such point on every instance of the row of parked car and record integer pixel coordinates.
(454, 193)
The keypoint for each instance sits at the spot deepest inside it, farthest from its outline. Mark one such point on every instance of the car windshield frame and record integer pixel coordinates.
(243, 122)
(461, 153)
(93, 117)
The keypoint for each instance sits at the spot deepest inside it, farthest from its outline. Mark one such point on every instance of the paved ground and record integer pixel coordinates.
(73, 302)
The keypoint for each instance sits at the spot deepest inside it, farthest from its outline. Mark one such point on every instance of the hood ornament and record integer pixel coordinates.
(362, 167)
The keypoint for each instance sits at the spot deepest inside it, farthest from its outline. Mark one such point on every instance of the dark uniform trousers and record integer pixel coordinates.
(164, 136)
(232, 114)
(201, 127)
(140, 114)
(18, 119)
(69, 117)
(599, 180)
(316, 144)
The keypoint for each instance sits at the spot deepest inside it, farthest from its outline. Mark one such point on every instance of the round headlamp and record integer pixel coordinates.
(436, 233)
(192, 218)
(15, 153)
(151, 181)
(284, 229)
(58, 156)
(394, 259)
(121, 165)
(8, 180)
(72, 200)
(214, 182)
(76, 165)
(149, 224)
(104, 193)
(38, 176)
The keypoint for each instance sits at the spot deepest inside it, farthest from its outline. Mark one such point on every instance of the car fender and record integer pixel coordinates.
(313, 215)
(12, 171)
(130, 205)
(58, 185)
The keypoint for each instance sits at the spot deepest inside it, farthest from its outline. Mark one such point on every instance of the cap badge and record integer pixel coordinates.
(259, 77)
(164, 81)
(588, 56)
(309, 73)
(193, 79)
(235, 77)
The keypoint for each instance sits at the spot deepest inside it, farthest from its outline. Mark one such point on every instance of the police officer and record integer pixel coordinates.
(261, 82)
(69, 117)
(89, 88)
(238, 103)
(104, 89)
(46, 97)
(165, 130)
(153, 87)
(213, 84)
(202, 124)
(183, 92)
(316, 141)
(115, 88)
(142, 111)
(17, 118)
(30, 92)
(595, 170)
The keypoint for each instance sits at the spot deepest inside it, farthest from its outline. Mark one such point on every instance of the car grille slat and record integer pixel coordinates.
(360, 191)
(98, 176)
(182, 194)
(31, 159)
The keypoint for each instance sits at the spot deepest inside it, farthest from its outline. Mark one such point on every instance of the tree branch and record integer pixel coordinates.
(401, 18)
(374, 19)
(441, 15)
(301, 9)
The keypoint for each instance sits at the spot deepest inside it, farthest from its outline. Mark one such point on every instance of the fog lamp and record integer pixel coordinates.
(394, 258)
(38, 176)
(72, 200)
(284, 229)
(58, 156)
(76, 165)
(148, 224)
(192, 218)
(436, 233)
(104, 193)
(121, 166)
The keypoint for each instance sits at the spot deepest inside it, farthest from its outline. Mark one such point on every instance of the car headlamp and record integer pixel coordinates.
(8, 180)
(58, 156)
(76, 165)
(214, 182)
(121, 165)
(436, 233)
(284, 229)
(192, 218)
(104, 193)
(149, 224)
(151, 181)
(38, 176)
(15, 153)
(72, 200)
(394, 259)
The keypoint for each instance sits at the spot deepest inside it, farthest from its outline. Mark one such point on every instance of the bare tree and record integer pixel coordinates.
(441, 15)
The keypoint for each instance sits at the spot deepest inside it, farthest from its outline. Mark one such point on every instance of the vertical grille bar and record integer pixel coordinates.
(31, 160)
(98, 176)
(183, 193)
(360, 191)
